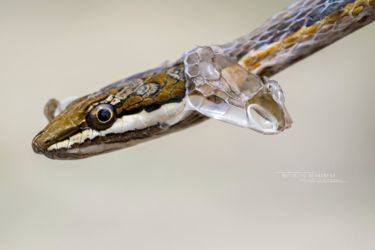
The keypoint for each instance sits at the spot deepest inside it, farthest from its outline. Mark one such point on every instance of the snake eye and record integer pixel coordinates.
(101, 117)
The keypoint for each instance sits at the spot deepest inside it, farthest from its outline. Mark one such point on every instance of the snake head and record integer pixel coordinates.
(64, 136)
(118, 116)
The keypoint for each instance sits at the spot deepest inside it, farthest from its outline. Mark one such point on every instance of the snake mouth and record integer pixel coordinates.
(67, 148)
(101, 145)
(77, 151)
(90, 147)
(110, 142)
(43, 141)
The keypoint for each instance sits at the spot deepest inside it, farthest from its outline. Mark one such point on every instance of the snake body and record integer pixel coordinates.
(153, 103)
(299, 31)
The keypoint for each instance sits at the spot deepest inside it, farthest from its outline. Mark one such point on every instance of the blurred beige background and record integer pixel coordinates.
(213, 186)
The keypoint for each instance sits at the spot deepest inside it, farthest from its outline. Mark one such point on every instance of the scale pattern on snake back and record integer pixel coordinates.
(298, 31)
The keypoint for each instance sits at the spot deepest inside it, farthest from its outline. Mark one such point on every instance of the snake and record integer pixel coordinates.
(230, 83)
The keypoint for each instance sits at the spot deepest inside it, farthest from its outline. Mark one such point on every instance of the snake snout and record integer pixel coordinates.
(40, 142)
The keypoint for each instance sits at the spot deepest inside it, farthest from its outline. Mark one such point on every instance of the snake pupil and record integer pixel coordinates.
(104, 115)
